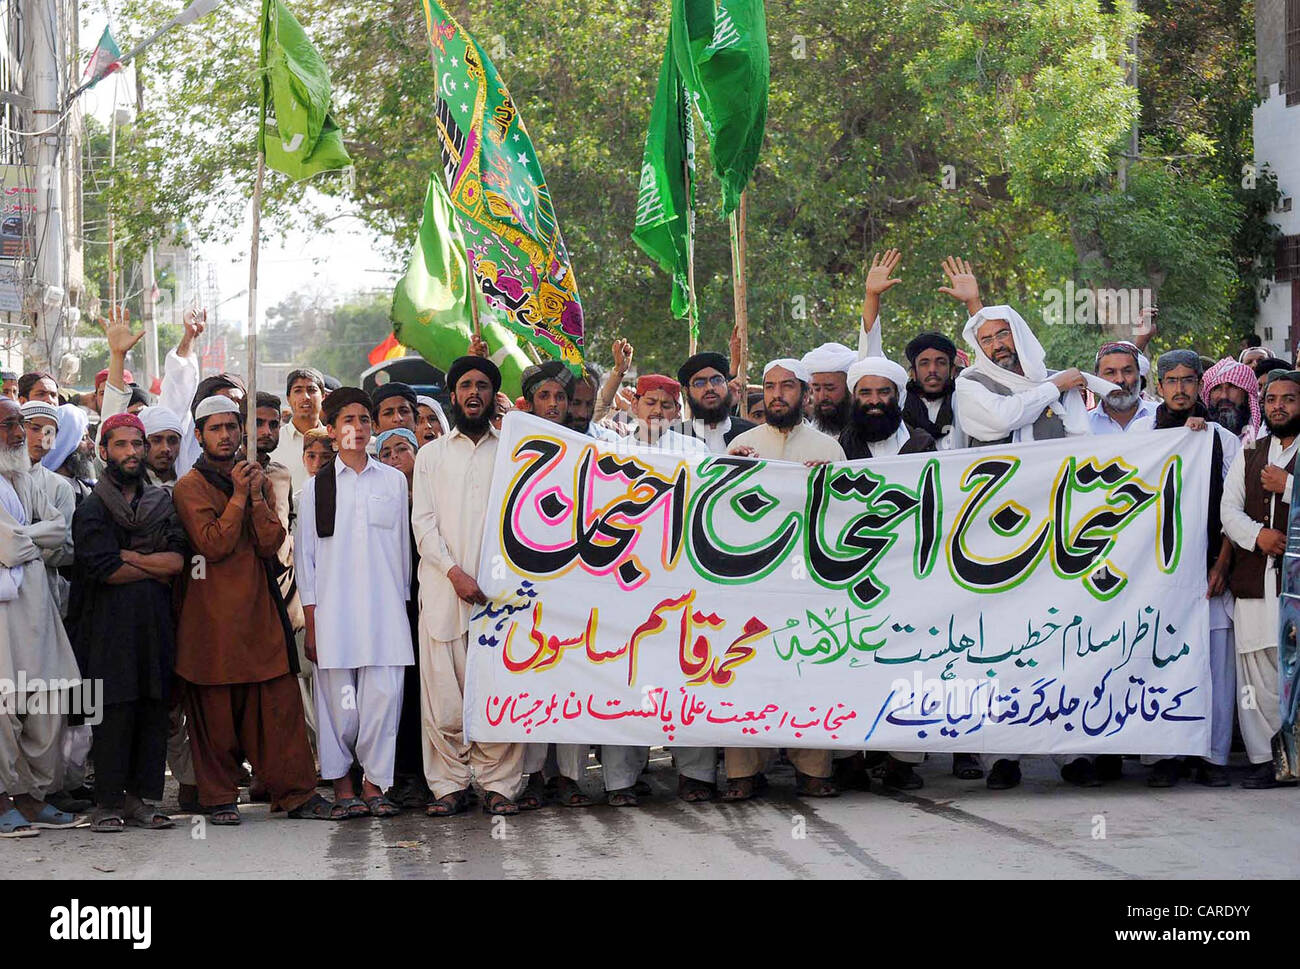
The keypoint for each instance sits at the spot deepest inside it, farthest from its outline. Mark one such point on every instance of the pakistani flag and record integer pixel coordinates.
(721, 51)
(665, 207)
(431, 309)
(502, 204)
(303, 140)
(104, 61)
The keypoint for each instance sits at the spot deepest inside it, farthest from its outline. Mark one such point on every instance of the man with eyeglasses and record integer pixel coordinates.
(1178, 377)
(704, 378)
(1007, 395)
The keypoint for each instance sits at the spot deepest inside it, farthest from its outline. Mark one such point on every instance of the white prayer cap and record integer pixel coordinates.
(436, 407)
(38, 408)
(157, 419)
(830, 358)
(216, 404)
(879, 367)
(796, 367)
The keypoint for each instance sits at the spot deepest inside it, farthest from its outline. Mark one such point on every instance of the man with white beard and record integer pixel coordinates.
(32, 641)
(1121, 364)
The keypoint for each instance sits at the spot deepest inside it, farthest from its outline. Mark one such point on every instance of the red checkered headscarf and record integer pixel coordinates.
(1229, 371)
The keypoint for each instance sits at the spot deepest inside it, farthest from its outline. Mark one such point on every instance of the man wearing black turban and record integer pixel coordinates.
(929, 403)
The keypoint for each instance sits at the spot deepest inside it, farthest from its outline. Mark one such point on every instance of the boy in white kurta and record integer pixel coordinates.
(353, 559)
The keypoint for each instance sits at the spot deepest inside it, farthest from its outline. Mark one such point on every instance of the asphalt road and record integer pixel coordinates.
(949, 829)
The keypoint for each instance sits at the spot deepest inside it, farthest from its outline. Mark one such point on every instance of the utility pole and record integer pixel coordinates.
(43, 63)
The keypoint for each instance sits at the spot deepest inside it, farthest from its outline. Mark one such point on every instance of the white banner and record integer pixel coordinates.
(1041, 598)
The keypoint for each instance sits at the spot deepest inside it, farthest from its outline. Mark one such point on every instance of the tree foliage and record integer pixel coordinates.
(987, 129)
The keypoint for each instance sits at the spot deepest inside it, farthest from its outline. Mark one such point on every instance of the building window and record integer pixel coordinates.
(1292, 52)
(1288, 259)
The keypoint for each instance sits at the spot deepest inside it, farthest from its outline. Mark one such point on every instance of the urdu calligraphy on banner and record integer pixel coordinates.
(1039, 598)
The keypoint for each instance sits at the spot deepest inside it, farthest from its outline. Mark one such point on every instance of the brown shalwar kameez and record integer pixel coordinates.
(233, 650)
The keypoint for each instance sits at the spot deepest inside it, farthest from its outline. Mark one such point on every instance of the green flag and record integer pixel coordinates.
(303, 140)
(665, 207)
(503, 205)
(721, 51)
(431, 310)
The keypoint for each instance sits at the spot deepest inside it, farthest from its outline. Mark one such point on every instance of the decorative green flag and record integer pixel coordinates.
(503, 206)
(665, 207)
(720, 47)
(303, 140)
(431, 310)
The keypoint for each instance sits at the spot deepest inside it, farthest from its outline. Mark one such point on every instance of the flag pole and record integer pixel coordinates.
(250, 391)
(112, 251)
(740, 296)
(251, 398)
(690, 261)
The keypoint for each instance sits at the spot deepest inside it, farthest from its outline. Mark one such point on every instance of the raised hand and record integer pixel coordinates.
(117, 329)
(962, 285)
(478, 346)
(194, 321)
(623, 350)
(882, 268)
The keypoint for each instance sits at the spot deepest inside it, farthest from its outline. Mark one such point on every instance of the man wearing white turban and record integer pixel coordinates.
(828, 366)
(163, 430)
(876, 429)
(1007, 394)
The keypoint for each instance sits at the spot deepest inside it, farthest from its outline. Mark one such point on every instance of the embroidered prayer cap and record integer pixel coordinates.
(657, 381)
(119, 420)
(38, 408)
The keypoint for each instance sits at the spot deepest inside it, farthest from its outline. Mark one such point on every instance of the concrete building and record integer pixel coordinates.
(1277, 144)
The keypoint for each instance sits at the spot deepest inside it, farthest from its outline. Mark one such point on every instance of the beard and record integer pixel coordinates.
(786, 420)
(1122, 400)
(1231, 417)
(833, 420)
(876, 423)
(1011, 363)
(712, 415)
(120, 476)
(473, 426)
(15, 461)
(1287, 428)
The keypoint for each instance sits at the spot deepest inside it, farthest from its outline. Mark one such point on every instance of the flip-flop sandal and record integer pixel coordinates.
(966, 767)
(52, 817)
(625, 797)
(569, 794)
(315, 808)
(694, 791)
(226, 810)
(107, 821)
(381, 807)
(808, 786)
(740, 789)
(494, 802)
(146, 817)
(14, 825)
(457, 802)
(347, 808)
